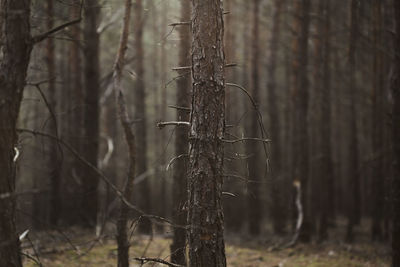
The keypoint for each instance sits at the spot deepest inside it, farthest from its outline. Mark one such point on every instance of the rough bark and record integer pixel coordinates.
(122, 230)
(17, 48)
(278, 212)
(207, 126)
(353, 210)
(91, 109)
(253, 148)
(299, 97)
(179, 194)
(395, 87)
(140, 117)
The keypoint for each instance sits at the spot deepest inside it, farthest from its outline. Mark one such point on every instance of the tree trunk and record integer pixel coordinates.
(54, 163)
(299, 95)
(353, 210)
(278, 212)
(253, 148)
(378, 125)
(395, 87)
(205, 236)
(17, 46)
(140, 116)
(327, 199)
(91, 112)
(179, 194)
(122, 230)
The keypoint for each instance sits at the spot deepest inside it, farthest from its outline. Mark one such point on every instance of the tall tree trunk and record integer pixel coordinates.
(378, 124)
(299, 95)
(207, 127)
(326, 191)
(253, 148)
(54, 162)
(278, 212)
(17, 47)
(140, 116)
(395, 87)
(163, 110)
(91, 112)
(353, 210)
(122, 231)
(179, 194)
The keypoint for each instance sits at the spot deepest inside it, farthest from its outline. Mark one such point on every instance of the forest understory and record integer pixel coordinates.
(267, 250)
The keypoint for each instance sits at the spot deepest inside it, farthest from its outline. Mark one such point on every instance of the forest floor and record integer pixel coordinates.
(241, 251)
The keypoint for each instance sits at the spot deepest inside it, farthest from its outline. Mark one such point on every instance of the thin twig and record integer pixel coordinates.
(144, 260)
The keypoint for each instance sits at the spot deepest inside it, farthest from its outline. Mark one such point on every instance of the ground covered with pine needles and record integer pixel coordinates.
(83, 249)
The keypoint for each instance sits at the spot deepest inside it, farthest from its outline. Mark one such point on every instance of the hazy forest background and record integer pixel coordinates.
(296, 119)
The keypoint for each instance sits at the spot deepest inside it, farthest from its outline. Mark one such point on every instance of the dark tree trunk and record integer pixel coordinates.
(91, 112)
(143, 187)
(253, 148)
(378, 124)
(205, 171)
(179, 194)
(395, 86)
(278, 212)
(327, 198)
(299, 95)
(54, 162)
(17, 46)
(353, 210)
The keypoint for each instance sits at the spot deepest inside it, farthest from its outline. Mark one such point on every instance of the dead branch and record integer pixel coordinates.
(180, 108)
(180, 23)
(190, 67)
(246, 139)
(144, 260)
(175, 123)
(40, 37)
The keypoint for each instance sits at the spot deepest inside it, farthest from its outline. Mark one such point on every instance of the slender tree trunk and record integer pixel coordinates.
(378, 125)
(17, 46)
(253, 148)
(179, 194)
(205, 236)
(163, 109)
(299, 95)
(91, 109)
(353, 210)
(122, 231)
(327, 185)
(54, 162)
(395, 86)
(278, 212)
(140, 117)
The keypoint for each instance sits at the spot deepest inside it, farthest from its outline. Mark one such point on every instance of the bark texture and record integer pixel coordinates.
(179, 194)
(17, 47)
(205, 218)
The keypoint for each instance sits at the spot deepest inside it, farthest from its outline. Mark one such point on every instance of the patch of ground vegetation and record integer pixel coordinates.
(239, 253)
